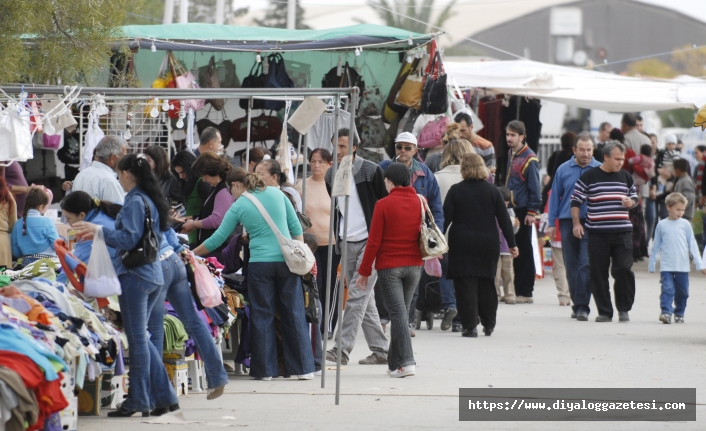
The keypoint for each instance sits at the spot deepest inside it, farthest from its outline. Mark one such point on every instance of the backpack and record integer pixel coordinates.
(277, 78)
(431, 134)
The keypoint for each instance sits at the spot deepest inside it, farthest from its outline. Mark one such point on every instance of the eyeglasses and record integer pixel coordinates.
(406, 147)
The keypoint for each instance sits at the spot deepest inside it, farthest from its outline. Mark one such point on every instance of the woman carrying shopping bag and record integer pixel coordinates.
(137, 235)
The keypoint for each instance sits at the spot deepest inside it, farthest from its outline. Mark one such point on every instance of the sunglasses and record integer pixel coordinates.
(406, 147)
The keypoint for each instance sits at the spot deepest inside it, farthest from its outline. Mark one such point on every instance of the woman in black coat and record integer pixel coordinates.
(471, 208)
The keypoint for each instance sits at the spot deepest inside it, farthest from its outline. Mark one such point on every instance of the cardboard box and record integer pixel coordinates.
(178, 372)
(69, 416)
(89, 398)
(68, 380)
(112, 390)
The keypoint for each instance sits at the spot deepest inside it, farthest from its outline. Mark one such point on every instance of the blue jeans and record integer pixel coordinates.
(273, 287)
(675, 288)
(578, 274)
(446, 286)
(650, 217)
(398, 286)
(178, 293)
(148, 377)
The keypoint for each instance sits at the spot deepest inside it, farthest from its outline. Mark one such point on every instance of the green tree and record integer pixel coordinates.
(199, 11)
(408, 15)
(276, 16)
(690, 61)
(47, 41)
(651, 67)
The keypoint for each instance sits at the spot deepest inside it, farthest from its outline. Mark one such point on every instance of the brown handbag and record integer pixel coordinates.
(412, 90)
(212, 82)
(391, 110)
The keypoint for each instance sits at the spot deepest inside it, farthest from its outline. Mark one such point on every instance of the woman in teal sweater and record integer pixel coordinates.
(271, 286)
(33, 235)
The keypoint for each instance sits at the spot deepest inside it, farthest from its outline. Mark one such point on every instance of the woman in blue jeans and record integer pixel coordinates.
(271, 286)
(178, 293)
(142, 286)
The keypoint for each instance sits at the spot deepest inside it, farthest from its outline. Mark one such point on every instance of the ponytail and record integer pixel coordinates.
(81, 202)
(35, 199)
(139, 167)
(274, 168)
(254, 182)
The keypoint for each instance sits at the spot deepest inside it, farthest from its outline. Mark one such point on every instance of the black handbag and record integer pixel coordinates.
(349, 78)
(146, 249)
(435, 99)
(311, 298)
(256, 79)
(277, 78)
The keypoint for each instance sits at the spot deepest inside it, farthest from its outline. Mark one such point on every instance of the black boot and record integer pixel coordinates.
(470, 333)
(159, 411)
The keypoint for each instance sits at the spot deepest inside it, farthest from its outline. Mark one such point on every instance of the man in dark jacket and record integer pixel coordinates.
(523, 182)
(368, 187)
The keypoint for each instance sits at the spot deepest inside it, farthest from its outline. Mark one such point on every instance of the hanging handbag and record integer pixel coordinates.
(15, 138)
(262, 128)
(297, 255)
(185, 80)
(213, 82)
(349, 77)
(435, 99)
(432, 242)
(391, 110)
(304, 220)
(277, 78)
(371, 100)
(256, 79)
(311, 298)
(146, 249)
(410, 95)
(432, 132)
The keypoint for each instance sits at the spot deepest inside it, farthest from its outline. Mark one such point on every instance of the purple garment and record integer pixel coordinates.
(15, 177)
(53, 422)
(189, 345)
(503, 243)
(221, 204)
(119, 360)
(231, 256)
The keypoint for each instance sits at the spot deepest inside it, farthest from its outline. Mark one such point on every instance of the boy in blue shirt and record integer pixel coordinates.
(674, 239)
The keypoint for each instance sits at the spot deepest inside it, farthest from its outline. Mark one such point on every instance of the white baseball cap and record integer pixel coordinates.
(406, 137)
(670, 139)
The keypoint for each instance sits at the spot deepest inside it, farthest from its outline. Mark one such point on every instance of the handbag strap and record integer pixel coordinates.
(425, 207)
(263, 212)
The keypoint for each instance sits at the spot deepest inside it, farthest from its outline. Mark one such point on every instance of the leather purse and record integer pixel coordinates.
(432, 242)
(146, 249)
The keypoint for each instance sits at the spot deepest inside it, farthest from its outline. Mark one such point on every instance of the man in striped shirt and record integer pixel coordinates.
(610, 194)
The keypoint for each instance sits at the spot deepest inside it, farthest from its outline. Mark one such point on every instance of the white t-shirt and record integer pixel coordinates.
(357, 228)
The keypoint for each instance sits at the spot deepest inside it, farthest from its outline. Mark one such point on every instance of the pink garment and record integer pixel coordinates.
(643, 168)
(221, 205)
(213, 261)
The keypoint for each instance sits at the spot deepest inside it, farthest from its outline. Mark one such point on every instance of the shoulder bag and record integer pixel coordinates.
(435, 98)
(432, 242)
(146, 249)
(297, 255)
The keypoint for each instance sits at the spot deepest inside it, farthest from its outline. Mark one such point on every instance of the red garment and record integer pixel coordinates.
(50, 399)
(314, 270)
(557, 231)
(393, 241)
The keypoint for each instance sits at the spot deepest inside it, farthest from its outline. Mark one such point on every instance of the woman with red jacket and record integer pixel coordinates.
(393, 244)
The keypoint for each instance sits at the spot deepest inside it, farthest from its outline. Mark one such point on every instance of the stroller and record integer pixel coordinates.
(429, 300)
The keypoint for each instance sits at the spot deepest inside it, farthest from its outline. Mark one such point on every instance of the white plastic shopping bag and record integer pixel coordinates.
(101, 280)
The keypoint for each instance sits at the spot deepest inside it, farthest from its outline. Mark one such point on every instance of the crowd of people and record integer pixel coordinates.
(600, 207)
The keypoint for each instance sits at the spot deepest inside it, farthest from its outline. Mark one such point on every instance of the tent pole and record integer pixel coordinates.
(220, 11)
(183, 11)
(303, 176)
(296, 166)
(291, 14)
(168, 16)
(351, 140)
(331, 234)
(247, 144)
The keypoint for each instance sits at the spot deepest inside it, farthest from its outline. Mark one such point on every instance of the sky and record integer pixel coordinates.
(693, 8)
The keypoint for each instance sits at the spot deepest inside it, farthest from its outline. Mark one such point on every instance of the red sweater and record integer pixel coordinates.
(393, 240)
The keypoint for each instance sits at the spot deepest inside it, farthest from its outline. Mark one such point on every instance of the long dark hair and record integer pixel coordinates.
(81, 202)
(6, 195)
(159, 156)
(185, 159)
(139, 167)
(35, 199)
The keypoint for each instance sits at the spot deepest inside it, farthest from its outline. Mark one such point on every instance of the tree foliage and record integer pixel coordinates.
(199, 11)
(690, 61)
(651, 67)
(46, 41)
(408, 15)
(276, 16)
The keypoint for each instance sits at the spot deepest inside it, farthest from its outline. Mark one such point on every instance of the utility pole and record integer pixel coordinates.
(220, 11)
(183, 11)
(291, 14)
(168, 17)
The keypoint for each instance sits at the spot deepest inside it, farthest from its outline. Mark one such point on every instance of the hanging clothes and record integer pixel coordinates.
(320, 134)
(93, 136)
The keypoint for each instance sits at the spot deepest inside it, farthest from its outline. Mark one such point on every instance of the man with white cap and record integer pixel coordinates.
(423, 181)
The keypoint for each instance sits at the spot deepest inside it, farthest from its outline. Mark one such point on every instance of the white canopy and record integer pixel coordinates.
(579, 87)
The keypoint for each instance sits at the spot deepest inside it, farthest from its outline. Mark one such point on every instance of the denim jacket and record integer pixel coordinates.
(129, 227)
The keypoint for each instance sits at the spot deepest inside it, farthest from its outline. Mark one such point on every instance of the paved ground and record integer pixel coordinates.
(533, 346)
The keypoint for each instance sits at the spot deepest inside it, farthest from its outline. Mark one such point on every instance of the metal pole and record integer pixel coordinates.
(291, 14)
(220, 11)
(168, 16)
(247, 144)
(351, 139)
(331, 233)
(304, 177)
(183, 11)
(296, 166)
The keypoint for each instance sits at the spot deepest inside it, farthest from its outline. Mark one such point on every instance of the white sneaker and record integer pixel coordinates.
(317, 373)
(403, 371)
(306, 376)
(263, 378)
(388, 371)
